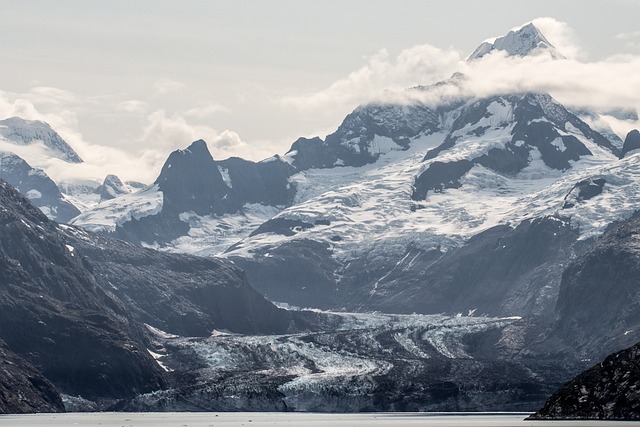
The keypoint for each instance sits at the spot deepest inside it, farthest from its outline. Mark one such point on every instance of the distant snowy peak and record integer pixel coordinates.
(19, 131)
(631, 143)
(111, 188)
(369, 132)
(525, 41)
(193, 190)
(191, 181)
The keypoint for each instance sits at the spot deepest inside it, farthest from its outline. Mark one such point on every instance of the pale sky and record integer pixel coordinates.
(127, 82)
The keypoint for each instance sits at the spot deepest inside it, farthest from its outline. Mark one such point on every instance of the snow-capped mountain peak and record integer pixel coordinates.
(524, 41)
(19, 131)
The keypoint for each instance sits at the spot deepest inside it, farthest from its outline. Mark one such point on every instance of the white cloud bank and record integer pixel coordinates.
(153, 130)
(602, 85)
(143, 156)
(419, 64)
(164, 86)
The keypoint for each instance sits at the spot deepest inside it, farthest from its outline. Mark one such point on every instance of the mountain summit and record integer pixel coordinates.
(522, 42)
(19, 131)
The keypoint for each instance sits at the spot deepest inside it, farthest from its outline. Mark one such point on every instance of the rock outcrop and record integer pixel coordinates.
(608, 391)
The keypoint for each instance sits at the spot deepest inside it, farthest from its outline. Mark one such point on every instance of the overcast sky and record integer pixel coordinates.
(146, 77)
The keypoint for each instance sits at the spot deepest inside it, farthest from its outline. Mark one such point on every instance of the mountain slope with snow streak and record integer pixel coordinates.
(350, 236)
(355, 224)
(363, 218)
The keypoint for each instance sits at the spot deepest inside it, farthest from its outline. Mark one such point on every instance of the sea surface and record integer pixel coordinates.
(260, 419)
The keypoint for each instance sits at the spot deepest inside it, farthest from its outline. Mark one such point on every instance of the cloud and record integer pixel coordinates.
(206, 110)
(164, 86)
(164, 133)
(228, 140)
(52, 96)
(631, 39)
(629, 35)
(131, 106)
(561, 36)
(602, 85)
(384, 77)
(169, 133)
(140, 155)
(99, 161)
(146, 130)
(417, 65)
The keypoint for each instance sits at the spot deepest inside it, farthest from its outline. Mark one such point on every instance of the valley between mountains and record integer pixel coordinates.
(472, 253)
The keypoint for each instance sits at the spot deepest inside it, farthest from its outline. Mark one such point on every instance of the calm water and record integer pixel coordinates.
(209, 419)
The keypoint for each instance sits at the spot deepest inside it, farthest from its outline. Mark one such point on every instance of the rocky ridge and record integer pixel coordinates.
(607, 391)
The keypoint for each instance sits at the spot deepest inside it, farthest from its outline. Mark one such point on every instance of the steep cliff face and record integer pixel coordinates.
(607, 391)
(55, 315)
(598, 307)
(191, 181)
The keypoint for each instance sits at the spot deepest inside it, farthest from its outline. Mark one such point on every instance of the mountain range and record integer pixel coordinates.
(508, 212)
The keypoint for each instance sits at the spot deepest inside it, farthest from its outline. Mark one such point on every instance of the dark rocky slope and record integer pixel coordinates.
(610, 390)
(597, 313)
(301, 273)
(58, 317)
(180, 294)
(23, 389)
(598, 306)
(73, 304)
